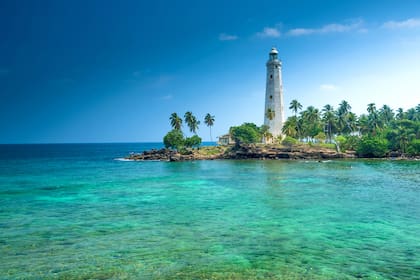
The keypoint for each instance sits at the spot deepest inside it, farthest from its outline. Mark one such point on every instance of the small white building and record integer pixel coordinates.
(225, 140)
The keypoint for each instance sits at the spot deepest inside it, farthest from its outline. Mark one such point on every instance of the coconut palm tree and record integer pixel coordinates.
(342, 117)
(352, 122)
(330, 121)
(290, 127)
(386, 114)
(311, 119)
(295, 106)
(363, 124)
(265, 133)
(344, 107)
(191, 121)
(400, 114)
(209, 121)
(412, 115)
(176, 121)
(371, 108)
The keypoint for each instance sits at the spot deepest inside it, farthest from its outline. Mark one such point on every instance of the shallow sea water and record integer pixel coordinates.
(73, 212)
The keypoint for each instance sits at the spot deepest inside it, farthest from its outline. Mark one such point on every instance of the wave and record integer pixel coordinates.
(123, 159)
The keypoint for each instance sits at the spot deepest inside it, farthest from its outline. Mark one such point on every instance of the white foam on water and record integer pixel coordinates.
(123, 159)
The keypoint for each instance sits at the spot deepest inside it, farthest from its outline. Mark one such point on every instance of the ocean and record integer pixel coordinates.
(74, 211)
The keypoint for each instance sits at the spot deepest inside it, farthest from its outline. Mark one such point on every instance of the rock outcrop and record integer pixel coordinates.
(243, 152)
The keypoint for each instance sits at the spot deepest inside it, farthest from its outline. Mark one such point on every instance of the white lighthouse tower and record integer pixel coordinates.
(274, 111)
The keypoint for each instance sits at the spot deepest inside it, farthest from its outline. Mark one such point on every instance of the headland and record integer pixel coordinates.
(243, 151)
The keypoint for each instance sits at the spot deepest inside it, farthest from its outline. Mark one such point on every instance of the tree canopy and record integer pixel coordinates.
(376, 133)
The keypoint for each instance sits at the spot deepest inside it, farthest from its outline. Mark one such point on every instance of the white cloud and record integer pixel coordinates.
(269, 32)
(227, 37)
(166, 97)
(409, 23)
(329, 28)
(328, 87)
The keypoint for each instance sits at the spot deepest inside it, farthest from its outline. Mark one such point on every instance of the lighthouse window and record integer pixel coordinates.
(271, 97)
(271, 76)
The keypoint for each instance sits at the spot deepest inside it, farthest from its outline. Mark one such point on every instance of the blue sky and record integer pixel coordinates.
(114, 71)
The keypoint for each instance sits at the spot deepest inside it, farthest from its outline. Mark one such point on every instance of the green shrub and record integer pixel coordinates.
(320, 137)
(289, 141)
(246, 133)
(191, 142)
(414, 147)
(327, 145)
(372, 147)
(350, 142)
(174, 139)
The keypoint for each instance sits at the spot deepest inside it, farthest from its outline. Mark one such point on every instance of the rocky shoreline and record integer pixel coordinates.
(242, 152)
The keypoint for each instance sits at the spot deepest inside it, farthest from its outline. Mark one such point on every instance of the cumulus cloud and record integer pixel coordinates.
(328, 87)
(409, 23)
(227, 37)
(329, 28)
(269, 32)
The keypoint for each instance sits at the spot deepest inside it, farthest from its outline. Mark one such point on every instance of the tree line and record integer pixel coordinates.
(175, 138)
(375, 133)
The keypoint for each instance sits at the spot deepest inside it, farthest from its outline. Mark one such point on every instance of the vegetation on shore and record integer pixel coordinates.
(175, 138)
(379, 133)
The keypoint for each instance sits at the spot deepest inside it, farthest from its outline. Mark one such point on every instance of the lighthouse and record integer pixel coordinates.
(274, 111)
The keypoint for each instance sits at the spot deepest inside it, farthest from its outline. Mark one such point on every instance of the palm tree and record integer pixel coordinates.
(344, 107)
(191, 121)
(270, 114)
(371, 108)
(404, 137)
(363, 124)
(329, 119)
(311, 119)
(374, 122)
(412, 115)
(374, 119)
(342, 117)
(176, 121)
(295, 106)
(209, 121)
(264, 130)
(387, 114)
(400, 114)
(352, 122)
(290, 127)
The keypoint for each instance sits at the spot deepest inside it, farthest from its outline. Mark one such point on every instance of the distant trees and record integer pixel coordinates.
(250, 133)
(376, 133)
(175, 138)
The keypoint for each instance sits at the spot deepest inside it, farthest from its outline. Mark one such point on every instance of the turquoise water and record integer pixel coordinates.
(72, 211)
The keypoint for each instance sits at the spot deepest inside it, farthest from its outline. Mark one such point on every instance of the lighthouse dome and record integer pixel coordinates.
(274, 51)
